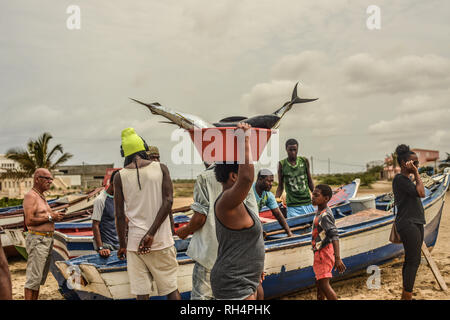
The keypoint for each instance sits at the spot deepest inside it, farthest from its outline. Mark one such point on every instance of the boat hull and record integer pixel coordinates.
(288, 261)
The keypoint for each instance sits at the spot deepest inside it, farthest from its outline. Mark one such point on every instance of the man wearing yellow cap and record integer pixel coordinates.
(146, 189)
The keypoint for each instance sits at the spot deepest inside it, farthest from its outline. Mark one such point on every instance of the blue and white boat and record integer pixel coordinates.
(12, 209)
(74, 239)
(364, 241)
(339, 204)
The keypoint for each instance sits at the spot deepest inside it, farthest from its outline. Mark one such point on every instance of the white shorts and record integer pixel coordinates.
(160, 266)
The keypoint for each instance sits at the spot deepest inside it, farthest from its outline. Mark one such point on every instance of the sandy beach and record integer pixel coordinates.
(355, 288)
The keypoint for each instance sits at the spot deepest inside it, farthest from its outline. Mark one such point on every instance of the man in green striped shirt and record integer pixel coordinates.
(294, 175)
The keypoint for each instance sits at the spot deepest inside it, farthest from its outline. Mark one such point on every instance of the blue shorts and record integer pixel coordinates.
(300, 210)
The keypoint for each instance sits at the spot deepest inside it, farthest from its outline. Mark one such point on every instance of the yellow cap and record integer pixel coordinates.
(131, 142)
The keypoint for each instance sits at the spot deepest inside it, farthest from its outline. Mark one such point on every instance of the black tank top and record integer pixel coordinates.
(240, 259)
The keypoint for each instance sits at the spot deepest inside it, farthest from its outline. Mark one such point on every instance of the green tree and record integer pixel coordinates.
(36, 155)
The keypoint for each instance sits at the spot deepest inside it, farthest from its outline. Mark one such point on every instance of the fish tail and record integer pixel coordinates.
(296, 99)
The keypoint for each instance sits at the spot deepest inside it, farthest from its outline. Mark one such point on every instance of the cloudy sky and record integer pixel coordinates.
(376, 88)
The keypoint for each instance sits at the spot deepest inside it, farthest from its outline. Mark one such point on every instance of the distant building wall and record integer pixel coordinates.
(91, 175)
(71, 180)
(6, 163)
(427, 157)
(86, 176)
(12, 188)
(15, 189)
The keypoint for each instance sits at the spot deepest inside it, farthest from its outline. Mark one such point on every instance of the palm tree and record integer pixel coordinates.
(392, 160)
(35, 156)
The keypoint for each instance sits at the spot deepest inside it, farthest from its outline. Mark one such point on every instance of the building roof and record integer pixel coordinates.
(428, 150)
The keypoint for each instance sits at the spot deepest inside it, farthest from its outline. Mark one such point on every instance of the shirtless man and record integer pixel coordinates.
(39, 219)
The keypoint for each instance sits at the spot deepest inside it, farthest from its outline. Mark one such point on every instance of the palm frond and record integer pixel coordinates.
(66, 156)
(14, 174)
(23, 158)
(56, 148)
(37, 156)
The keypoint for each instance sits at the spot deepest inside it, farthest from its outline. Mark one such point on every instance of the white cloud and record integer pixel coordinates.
(416, 123)
(306, 64)
(440, 140)
(217, 59)
(366, 74)
(268, 97)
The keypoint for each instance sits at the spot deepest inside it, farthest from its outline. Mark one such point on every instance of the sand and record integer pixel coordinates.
(179, 202)
(355, 288)
(17, 267)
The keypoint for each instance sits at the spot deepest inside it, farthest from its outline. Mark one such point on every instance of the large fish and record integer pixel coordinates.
(181, 119)
(188, 121)
(268, 121)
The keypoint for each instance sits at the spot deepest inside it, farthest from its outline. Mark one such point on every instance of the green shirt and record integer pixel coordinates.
(295, 180)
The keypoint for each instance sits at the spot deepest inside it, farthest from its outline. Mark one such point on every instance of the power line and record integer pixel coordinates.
(331, 162)
(340, 162)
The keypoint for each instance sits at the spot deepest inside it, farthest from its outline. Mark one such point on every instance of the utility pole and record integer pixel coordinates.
(83, 180)
(329, 171)
(312, 166)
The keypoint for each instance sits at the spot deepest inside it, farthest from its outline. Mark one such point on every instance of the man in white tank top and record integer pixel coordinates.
(144, 195)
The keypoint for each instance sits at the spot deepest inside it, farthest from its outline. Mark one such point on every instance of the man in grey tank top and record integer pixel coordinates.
(237, 272)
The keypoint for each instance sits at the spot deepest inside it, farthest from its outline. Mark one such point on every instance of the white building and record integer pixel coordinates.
(9, 187)
(18, 188)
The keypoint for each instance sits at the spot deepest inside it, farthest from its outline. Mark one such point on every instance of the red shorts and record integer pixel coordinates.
(324, 262)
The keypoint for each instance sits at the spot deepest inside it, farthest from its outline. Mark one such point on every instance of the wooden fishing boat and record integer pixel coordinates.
(19, 209)
(75, 238)
(78, 207)
(13, 240)
(364, 241)
(341, 197)
(82, 202)
(339, 204)
(83, 242)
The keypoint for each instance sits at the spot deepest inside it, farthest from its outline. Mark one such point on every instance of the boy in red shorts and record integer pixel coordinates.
(325, 243)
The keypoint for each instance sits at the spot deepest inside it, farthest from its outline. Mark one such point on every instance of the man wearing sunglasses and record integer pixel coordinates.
(40, 222)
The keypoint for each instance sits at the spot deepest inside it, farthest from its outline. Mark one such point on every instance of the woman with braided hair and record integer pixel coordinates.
(410, 216)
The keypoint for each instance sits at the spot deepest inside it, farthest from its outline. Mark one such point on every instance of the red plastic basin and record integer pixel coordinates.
(221, 144)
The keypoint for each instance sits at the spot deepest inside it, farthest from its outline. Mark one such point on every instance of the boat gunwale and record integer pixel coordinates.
(438, 195)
